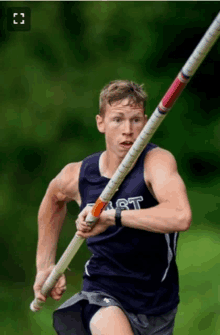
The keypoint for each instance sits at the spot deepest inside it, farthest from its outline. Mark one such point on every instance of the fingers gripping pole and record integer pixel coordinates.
(126, 165)
(58, 270)
(49, 283)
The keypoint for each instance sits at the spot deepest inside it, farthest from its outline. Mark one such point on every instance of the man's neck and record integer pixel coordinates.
(109, 163)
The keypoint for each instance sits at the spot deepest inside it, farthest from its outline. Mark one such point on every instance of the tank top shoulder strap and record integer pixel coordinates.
(141, 158)
(90, 167)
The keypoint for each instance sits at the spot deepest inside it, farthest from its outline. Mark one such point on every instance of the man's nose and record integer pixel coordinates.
(127, 127)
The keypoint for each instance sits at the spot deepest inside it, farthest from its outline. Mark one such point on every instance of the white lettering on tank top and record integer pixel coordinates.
(135, 201)
(124, 203)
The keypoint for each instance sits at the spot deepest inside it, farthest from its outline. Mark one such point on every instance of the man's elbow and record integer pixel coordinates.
(185, 220)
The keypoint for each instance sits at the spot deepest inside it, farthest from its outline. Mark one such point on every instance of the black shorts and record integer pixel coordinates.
(73, 317)
(87, 313)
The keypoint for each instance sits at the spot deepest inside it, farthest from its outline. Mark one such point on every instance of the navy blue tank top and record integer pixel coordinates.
(135, 266)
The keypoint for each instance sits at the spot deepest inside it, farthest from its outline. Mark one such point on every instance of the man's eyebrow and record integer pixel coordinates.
(118, 113)
(122, 114)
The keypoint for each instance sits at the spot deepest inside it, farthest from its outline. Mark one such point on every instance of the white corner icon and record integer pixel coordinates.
(15, 14)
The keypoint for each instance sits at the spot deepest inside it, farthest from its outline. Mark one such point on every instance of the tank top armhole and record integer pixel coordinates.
(81, 173)
(82, 167)
(149, 147)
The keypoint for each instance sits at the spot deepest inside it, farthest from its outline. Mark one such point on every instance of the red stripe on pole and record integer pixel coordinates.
(173, 92)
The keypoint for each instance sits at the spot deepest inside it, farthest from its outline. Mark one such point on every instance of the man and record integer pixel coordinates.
(130, 284)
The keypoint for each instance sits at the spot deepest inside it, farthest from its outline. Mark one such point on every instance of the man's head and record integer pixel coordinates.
(121, 118)
(119, 90)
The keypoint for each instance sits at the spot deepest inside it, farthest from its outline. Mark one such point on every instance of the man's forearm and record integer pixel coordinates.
(158, 219)
(50, 221)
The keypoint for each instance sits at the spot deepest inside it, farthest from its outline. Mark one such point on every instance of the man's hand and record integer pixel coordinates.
(57, 291)
(84, 230)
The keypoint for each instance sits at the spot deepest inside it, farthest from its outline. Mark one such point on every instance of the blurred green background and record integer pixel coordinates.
(51, 77)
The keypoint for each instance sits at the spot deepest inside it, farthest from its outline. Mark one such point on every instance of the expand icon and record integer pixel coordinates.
(19, 19)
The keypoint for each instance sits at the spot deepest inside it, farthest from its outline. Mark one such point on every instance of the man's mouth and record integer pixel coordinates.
(126, 144)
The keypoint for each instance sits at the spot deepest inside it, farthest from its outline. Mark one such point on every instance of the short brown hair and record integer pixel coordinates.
(118, 90)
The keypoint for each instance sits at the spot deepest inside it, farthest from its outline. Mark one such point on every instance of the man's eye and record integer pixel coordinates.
(136, 120)
(117, 119)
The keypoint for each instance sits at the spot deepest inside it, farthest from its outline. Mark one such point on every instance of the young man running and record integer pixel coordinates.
(130, 284)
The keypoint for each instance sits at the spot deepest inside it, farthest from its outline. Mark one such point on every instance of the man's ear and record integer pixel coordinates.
(100, 123)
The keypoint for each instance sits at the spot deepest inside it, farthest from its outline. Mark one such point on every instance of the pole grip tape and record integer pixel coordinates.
(98, 207)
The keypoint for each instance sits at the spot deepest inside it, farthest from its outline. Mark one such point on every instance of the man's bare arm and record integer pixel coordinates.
(51, 215)
(173, 212)
(52, 212)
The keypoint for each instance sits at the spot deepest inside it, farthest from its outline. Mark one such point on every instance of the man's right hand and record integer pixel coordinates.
(57, 291)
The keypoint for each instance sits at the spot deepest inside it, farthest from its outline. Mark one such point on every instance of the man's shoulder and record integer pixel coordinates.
(159, 157)
(66, 182)
(70, 173)
(159, 153)
(160, 165)
(92, 156)
(69, 169)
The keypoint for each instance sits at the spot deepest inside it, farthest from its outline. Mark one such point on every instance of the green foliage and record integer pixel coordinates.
(50, 83)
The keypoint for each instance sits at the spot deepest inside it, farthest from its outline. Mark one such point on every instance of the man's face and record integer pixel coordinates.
(121, 125)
